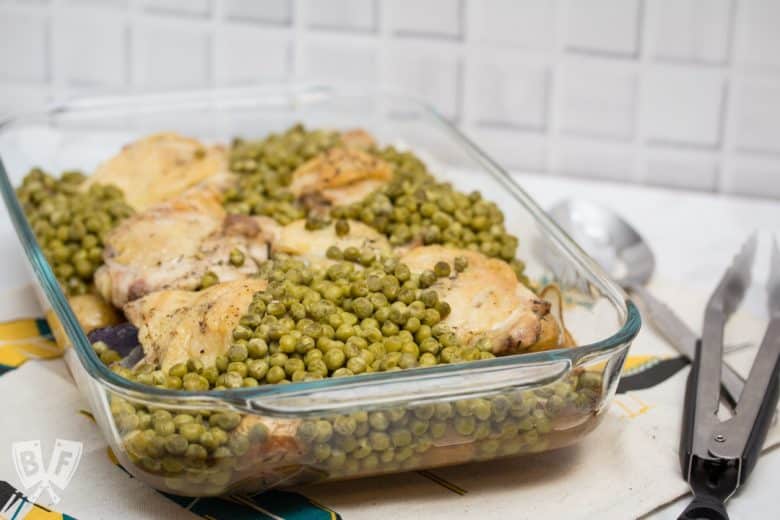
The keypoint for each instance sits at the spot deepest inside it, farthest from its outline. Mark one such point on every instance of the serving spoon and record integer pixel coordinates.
(622, 252)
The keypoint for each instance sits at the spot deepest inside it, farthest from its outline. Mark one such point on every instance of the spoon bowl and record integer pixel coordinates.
(608, 239)
(621, 251)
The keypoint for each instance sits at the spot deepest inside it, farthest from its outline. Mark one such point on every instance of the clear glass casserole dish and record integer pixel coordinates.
(279, 435)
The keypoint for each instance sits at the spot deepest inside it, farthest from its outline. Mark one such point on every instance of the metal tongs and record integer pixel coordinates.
(717, 456)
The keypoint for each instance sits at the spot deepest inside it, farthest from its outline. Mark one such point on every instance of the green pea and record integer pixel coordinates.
(342, 227)
(210, 374)
(321, 452)
(293, 365)
(357, 365)
(258, 433)
(275, 374)
(307, 431)
(431, 317)
(481, 409)
(237, 352)
(337, 458)
(196, 452)
(554, 405)
(191, 431)
(128, 422)
(378, 421)
(237, 367)
(465, 425)
(257, 368)
(225, 420)
(443, 308)
(164, 427)
(401, 437)
(333, 253)
(324, 431)
(238, 445)
(209, 279)
(230, 379)
(176, 444)
(342, 372)
(362, 449)
(590, 380)
(345, 425)
(437, 429)
(334, 359)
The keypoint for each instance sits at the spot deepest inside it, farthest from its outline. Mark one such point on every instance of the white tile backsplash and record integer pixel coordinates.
(757, 125)
(245, 55)
(681, 169)
(682, 105)
(429, 74)
(339, 62)
(87, 64)
(753, 176)
(690, 30)
(179, 7)
(357, 15)
(604, 26)
(674, 93)
(25, 48)
(758, 38)
(507, 93)
(517, 150)
(598, 99)
(264, 11)
(432, 18)
(171, 57)
(104, 4)
(594, 159)
(523, 23)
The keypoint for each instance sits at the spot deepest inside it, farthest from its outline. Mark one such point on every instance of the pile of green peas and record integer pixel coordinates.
(203, 452)
(195, 451)
(413, 206)
(71, 223)
(364, 313)
(510, 423)
(266, 166)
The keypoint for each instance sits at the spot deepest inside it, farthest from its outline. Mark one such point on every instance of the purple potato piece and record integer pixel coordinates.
(123, 337)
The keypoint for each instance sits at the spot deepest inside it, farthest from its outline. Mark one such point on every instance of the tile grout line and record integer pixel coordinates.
(555, 93)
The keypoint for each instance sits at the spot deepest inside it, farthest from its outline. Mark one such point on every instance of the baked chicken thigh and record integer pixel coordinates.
(486, 300)
(174, 244)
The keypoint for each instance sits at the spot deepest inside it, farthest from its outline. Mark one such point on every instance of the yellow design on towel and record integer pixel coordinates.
(23, 339)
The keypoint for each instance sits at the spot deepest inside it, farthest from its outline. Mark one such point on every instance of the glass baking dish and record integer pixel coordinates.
(280, 435)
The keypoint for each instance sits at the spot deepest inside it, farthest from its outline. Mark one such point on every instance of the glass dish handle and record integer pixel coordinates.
(425, 388)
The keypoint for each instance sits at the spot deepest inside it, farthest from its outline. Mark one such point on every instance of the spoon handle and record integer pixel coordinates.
(681, 337)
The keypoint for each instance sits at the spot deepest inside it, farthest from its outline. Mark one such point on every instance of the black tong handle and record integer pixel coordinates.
(717, 458)
(763, 384)
(704, 507)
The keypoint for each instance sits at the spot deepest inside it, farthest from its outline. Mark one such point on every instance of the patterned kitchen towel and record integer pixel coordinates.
(624, 469)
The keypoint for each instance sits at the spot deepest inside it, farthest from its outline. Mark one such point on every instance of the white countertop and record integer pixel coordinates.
(693, 235)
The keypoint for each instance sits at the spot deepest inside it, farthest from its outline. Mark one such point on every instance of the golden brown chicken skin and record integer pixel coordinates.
(159, 167)
(339, 177)
(312, 245)
(486, 299)
(175, 326)
(174, 244)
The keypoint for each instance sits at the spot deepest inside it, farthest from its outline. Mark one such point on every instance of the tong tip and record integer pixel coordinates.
(737, 278)
(773, 283)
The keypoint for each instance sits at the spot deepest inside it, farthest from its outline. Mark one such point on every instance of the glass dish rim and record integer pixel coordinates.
(101, 374)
